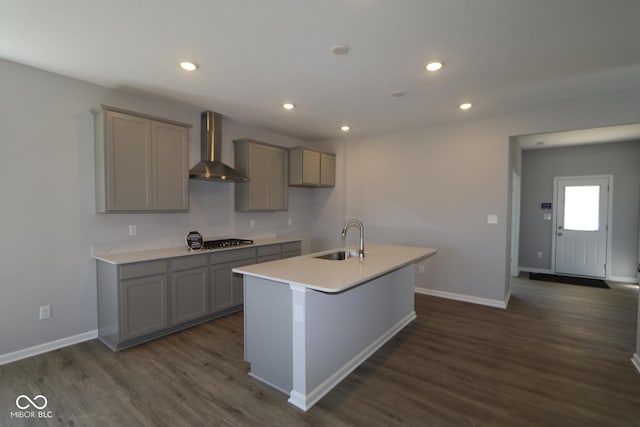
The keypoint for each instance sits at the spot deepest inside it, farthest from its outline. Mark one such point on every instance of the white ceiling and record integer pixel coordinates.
(501, 55)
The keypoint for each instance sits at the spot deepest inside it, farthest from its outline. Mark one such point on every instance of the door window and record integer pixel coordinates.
(582, 207)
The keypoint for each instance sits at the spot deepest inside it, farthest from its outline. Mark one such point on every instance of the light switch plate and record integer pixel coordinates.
(547, 217)
(492, 219)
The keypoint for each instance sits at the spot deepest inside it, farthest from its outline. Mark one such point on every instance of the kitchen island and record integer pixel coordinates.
(309, 321)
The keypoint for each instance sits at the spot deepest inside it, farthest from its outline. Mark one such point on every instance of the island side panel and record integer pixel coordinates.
(267, 335)
(342, 330)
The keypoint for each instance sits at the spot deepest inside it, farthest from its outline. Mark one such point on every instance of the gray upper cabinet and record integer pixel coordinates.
(327, 170)
(266, 166)
(311, 168)
(142, 163)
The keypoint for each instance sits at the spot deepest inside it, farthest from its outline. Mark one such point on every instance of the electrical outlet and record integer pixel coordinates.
(492, 219)
(252, 223)
(290, 221)
(421, 268)
(45, 312)
(133, 230)
(539, 254)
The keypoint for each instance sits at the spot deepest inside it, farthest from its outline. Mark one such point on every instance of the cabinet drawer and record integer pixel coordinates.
(268, 250)
(233, 255)
(290, 254)
(146, 268)
(292, 247)
(186, 262)
(268, 258)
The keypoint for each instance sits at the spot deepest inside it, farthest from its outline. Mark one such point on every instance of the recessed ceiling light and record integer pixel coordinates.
(345, 128)
(288, 106)
(189, 66)
(340, 49)
(398, 94)
(465, 106)
(434, 66)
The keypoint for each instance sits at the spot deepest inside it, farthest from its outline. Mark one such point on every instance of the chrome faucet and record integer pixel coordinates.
(359, 224)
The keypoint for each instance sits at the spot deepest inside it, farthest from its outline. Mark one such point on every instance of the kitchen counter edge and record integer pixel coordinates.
(339, 276)
(128, 257)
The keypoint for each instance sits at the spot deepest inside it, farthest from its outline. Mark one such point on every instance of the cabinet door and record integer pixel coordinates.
(170, 155)
(259, 173)
(226, 286)
(143, 306)
(189, 295)
(310, 167)
(128, 157)
(327, 170)
(278, 180)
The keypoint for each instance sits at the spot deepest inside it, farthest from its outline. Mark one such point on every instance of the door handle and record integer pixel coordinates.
(559, 227)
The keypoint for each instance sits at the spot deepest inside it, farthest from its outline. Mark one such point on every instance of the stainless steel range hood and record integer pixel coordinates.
(210, 167)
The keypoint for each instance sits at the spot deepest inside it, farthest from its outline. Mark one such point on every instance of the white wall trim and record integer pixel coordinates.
(535, 270)
(623, 279)
(636, 361)
(46, 347)
(464, 298)
(305, 402)
(507, 297)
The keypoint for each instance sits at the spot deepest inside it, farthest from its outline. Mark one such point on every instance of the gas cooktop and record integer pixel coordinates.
(224, 243)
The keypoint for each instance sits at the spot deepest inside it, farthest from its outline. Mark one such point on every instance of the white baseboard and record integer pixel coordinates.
(536, 270)
(304, 402)
(636, 361)
(46, 347)
(465, 298)
(623, 279)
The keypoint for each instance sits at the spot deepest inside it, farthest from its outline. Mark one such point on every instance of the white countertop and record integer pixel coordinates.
(336, 276)
(126, 257)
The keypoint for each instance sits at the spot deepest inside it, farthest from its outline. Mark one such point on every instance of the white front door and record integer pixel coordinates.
(581, 225)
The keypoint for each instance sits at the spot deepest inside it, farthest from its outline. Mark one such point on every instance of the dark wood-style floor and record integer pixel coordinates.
(558, 356)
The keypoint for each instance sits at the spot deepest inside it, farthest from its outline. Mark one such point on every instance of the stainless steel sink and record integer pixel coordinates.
(338, 256)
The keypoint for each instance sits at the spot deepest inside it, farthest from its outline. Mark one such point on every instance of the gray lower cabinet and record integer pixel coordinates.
(141, 301)
(132, 301)
(225, 285)
(144, 307)
(291, 249)
(189, 288)
(269, 253)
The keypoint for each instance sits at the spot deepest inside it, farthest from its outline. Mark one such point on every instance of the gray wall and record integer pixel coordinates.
(539, 167)
(435, 187)
(48, 221)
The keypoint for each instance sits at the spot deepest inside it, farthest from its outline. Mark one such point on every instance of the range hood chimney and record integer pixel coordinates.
(210, 167)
